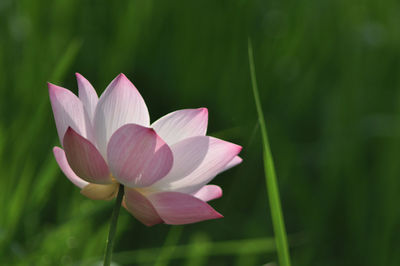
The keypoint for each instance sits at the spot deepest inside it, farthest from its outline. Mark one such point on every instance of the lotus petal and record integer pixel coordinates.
(68, 111)
(182, 124)
(85, 159)
(180, 208)
(197, 160)
(100, 192)
(87, 95)
(61, 159)
(120, 104)
(137, 156)
(208, 193)
(235, 161)
(141, 208)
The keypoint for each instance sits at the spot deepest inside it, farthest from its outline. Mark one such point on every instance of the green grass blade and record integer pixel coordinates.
(270, 176)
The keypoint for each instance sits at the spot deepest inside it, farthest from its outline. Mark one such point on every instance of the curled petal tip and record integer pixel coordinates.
(238, 148)
(218, 215)
(235, 148)
(209, 192)
(54, 89)
(121, 76)
(238, 160)
(79, 77)
(204, 110)
(122, 80)
(51, 86)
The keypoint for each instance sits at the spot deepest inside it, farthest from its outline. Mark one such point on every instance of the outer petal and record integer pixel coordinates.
(85, 159)
(182, 124)
(61, 159)
(137, 156)
(235, 161)
(140, 207)
(100, 192)
(208, 193)
(120, 104)
(196, 161)
(180, 208)
(87, 94)
(68, 111)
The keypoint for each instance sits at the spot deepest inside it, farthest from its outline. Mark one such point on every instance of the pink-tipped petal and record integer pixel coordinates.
(180, 208)
(141, 208)
(208, 193)
(68, 111)
(235, 161)
(137, 156)
(61, 159)
(85, 159)
(120, 104)
(197, 160)
(87, 94)
(182, 124)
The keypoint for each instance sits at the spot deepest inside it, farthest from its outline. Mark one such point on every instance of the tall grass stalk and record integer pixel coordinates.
(270, 176)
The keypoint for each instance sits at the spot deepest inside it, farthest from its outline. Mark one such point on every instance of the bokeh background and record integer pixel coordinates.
(328, 73)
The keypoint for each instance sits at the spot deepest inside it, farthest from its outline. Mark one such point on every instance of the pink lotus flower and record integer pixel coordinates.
(164, 166)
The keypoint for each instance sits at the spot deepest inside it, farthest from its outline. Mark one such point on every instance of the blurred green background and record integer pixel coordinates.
(328, 73)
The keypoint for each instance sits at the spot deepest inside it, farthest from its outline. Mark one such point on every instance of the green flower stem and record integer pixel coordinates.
(113, 226)
(270, 175)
